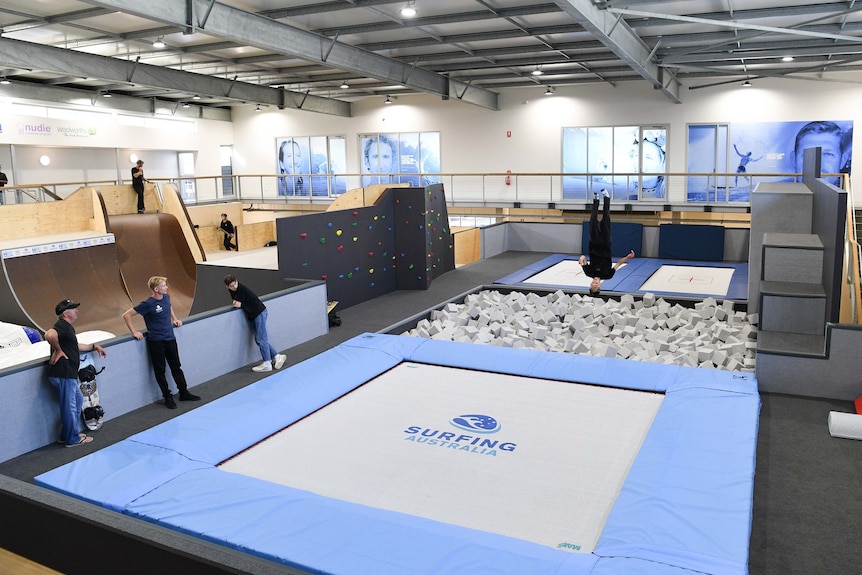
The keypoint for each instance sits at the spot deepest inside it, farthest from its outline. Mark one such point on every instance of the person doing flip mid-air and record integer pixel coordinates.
(600, 266)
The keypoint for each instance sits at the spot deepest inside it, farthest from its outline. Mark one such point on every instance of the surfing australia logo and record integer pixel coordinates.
(476, 435)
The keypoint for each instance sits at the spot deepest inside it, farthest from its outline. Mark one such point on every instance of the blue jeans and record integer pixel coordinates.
(71, 404)
(261, 338)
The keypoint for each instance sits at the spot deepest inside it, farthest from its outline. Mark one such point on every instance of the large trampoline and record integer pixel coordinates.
(399, 455)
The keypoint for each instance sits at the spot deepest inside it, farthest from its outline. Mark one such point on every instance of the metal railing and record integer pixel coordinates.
(728, 191)
(718, 190)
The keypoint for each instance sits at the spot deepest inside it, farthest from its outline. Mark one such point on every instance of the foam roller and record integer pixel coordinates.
(847, 425)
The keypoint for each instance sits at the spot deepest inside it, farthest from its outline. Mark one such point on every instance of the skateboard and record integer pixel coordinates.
(92, 412)
(334, 320)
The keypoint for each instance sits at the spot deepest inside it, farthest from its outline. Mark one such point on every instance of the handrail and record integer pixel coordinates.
(526, 189)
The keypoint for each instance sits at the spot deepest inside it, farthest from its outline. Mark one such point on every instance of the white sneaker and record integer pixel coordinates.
(265, 366)
(279, 360)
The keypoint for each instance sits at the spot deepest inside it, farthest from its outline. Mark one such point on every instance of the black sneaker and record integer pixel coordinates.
(170, 403)
(187, 396)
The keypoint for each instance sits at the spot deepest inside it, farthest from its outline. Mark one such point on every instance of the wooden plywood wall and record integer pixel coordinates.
(75, 214)
(122, 199)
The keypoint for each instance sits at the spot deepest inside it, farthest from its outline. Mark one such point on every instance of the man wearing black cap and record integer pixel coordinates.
(63, 371)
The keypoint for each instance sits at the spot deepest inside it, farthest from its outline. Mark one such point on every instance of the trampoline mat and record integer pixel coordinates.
(690, 280)
(567, 273)
(535, 459)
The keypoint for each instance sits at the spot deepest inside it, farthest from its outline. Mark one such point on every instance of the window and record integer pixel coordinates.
(411, 157)
(627, 161)
(310, 166)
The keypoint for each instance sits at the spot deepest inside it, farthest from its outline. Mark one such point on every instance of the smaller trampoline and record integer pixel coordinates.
(395, 455)
(641, 275)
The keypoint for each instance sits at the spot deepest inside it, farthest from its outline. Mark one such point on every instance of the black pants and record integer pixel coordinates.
(600, 233)
(227, 245)
(165, 351)
(140, 198)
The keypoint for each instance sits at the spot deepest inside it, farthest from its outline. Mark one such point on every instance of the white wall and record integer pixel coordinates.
(90, 147)
(474, 139)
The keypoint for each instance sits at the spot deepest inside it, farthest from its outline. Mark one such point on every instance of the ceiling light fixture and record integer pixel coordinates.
(186, 105)
(257, 109)
(409, 11)
(537, 71)
(107, 95)
(549, 91)
(746, 84)
(788, 59)
(5, 81)
(196, 97)
(387, 100)
(159, 44)
(344, 85)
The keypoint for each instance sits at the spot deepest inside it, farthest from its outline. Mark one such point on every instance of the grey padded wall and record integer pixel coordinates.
(783, 207)
(828, 221)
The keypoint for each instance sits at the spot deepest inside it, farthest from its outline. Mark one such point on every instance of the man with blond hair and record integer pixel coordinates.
(161, 343)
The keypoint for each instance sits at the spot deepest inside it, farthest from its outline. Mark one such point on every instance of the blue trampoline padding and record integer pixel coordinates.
(684, 507)
(625, 236)
(691, 242)
(119, 473)
(689, 460)
(338, 537)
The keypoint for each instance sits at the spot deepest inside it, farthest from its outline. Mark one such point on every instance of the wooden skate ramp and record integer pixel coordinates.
(90, 275)
(154, 245)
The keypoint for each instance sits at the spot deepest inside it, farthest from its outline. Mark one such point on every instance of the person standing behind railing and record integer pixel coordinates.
(3, 181)
(138, 183)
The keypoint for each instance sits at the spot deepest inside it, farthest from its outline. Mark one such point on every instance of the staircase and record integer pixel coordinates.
(791, 299)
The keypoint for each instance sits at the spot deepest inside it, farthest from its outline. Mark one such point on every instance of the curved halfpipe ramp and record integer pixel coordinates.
(154, 245)
(37, 279)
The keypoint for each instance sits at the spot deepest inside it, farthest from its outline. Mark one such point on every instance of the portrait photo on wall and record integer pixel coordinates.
(627, 161)
(410, 157)
(311, 166)
(723, 157)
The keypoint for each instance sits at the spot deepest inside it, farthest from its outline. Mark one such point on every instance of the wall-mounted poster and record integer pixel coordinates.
(627, 161)
(723, 157)
(309, 166)
(412, 158)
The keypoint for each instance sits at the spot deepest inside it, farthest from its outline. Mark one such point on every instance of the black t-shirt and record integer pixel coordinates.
(251, 304)
(138, 182)
(600, 265)
(68, 341)
(601, 268)
(227, 226)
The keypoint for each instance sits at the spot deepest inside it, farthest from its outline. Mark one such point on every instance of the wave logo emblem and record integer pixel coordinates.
(476, 423)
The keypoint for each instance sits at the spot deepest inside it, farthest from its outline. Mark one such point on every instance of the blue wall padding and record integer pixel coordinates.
(691, 242)
(625, 236)
(685, 506)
